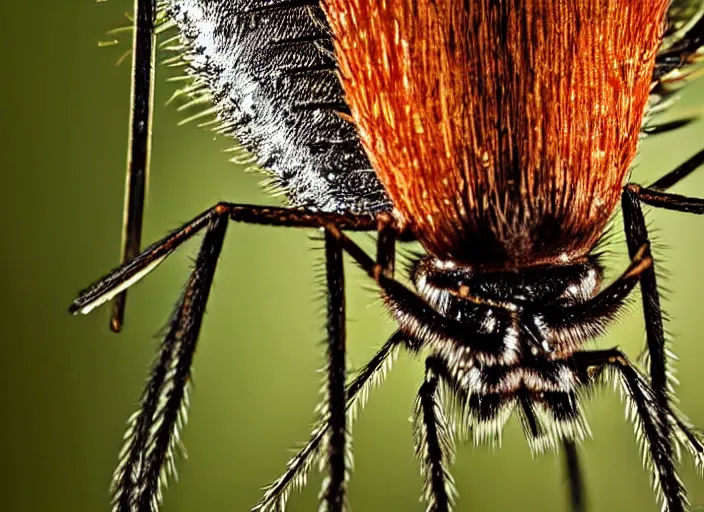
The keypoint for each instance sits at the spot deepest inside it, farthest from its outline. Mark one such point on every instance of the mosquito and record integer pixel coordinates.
(498, 136)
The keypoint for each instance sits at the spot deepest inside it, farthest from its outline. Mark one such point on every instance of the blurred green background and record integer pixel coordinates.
(68, 385)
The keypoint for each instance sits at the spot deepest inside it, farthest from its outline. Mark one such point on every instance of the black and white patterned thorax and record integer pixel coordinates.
(505, 340)
(269, 71)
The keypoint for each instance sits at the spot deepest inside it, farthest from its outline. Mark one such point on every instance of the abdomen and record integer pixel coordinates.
(502, 131)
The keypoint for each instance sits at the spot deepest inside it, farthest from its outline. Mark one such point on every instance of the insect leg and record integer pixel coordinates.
(574, 476)
(677, 61)
(682, 51)
(651, 420)
(434, 444)
(334, 486)
(588, 317)
(656, 195)
(414, 312)
(636, 237)
(657, 129)
(679, 173)
(356, 395)
(132, 271)
(558, 321)
(386, 243)
(668, 201)
(140, 136)
(147, 458)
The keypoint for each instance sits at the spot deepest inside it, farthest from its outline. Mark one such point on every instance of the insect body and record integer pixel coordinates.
(497, 136)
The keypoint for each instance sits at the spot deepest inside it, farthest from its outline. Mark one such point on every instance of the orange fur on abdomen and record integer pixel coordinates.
(501, 130)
